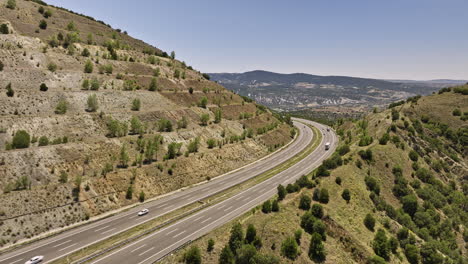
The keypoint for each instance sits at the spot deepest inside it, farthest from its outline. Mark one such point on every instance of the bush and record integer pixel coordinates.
(412, 254)
(43, 141)
(190, 90)
(413, 155)
(94, 84)
(182, 123)
(346, 195)
(4, 29)
(43, 24)
(21, 139)
(298, 236)
(316, 248)
(85, 52)
(281, 192)
(275, 206)
(250, 234)
(173, 150)
(304, 202)
(92, 103)
(61, 107)
(430, 255)
(11, 4)
(218, 115)
(47, 13)
(366, 154)
(193, 145)
(384, 139)
(376, 260)
(266, 207)
(117, 128)
(410, 204)
(136, 104)
(193, 256)
(210, 246)
(85, 84)
(236, 238)
(317, 210)
(9, 92)
(456, 112)
(88, 68)
(164, 125)
(323, 196)
(226, 256)
(204, 118)
(203, 102)
(43, 87)
(1, 65)
(153, 85)
(369, 222)
(372, 184)
(338, 180)
(211, 143)
(206, 76)
(289, 248)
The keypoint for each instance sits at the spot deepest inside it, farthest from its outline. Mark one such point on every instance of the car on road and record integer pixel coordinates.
(35, 260)
(143, 212)
(328, 129)
(327, 146)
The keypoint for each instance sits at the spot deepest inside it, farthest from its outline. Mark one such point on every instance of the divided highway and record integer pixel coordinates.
(157, 244)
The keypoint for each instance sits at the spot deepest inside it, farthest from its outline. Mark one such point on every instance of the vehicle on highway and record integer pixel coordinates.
(327, 146)
(328, 129)
(143, 212)
(35, 260)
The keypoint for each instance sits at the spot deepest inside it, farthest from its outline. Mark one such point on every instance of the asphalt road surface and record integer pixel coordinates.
(155, 246)
(69, 241)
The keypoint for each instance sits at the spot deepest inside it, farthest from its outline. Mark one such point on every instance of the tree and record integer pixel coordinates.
(250, 234)
(304, 202)
(412, 253)
(193, 255)
(281, 192)
(9, 92)
(88, 68)
(245, 254)
(142, 196)
(190, 90)
(85, 52)
(92, 103)
(129, 193)
(316, 248)
(123, 158)
(153, 85)
(369, 222)
(173, 55)
(376, 260)
(323, 196)
(172, 150)
(43, 24)
(11, 4)
(193, 145)
(410, 204)
(136, 104)
(298, 236)
(346, 195)
(204, 118)
(289, 248)
(266, 207)
(135, 125)
(203, 102)
(430, 255)
(61, 107)
(275, 206)
(43, 87)
(380, 244)
(338, 180)
(21, 139)
(210, 246)
(393, 244)
(226, 256)
(317, 210)
(236, 238)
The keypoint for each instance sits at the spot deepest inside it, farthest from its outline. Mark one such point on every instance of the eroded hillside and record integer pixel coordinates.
(395, 191)
(92, 120)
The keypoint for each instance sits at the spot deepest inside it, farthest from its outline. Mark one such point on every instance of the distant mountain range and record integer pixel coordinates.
(299, 90)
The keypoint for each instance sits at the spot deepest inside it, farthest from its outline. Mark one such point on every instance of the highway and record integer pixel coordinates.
(72, 240)
(160, 243)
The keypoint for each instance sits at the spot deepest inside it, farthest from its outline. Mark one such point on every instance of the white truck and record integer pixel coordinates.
(327, 146)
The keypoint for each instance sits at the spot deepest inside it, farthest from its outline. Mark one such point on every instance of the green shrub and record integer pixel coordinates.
(266, 207)
(317, 211)
(94, 84)
(61, 107)
(88, 68)
(43, 87)
(203, 102)
(116, 128)
(369, 222)
(85, 52)
(182, 123)
(136, 104)
(43, 24)
(21, 139)
(210, 246)
(4, 29)
(456, 112)
(304, 202)
(281, 192)
(9, 92)
(346, 195)
(92, 103)
(142, 196)
(85, 84)
(211, 142)
(204, 118)
(63, 178)
(43, 141)
(316, 248)
(380, 244)
(236, 237)
(173, 150)
(323, 196)
(218, 115)
(413, 155)
(1, 66)
(11, 4)
(289, 248)
(275, 206)
(226, 256)
(153, 85)
(164, 125)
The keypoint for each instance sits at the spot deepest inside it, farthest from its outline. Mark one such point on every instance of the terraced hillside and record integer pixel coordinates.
(395, 191)
(92, 120)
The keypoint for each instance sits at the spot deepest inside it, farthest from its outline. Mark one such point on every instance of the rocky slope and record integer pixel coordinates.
(92, 119)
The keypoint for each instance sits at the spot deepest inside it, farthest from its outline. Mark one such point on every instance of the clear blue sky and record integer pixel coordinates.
(398, 39)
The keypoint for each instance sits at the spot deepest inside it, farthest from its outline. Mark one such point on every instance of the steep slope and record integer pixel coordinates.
(92, 120)
(299, 90)
(395, 191)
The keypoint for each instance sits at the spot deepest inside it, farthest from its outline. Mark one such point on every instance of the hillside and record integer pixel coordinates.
(298, 90)
(396, 187)
(93, 120)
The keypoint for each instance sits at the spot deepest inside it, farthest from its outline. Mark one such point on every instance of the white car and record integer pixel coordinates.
(35, 260)
(143, 212)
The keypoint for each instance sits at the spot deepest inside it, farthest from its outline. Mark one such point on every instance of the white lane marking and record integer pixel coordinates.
(107, 231)
(67, 247)
(179, 234)
(246, 198)
(206, 220)
(141, 254)
(222, 206)
(170, 232)
(58, 245)
(137, 248)
(133, 217)
(240, 197)
(99, 229)
(198, 218)
(16, 261)
(227, 209)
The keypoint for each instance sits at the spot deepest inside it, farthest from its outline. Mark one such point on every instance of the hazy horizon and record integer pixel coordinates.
(410, 40)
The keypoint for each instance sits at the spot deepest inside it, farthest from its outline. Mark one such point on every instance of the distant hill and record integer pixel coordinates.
(299, 90)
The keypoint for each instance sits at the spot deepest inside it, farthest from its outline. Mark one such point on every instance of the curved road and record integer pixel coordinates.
(155, 246)
(80, 237)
